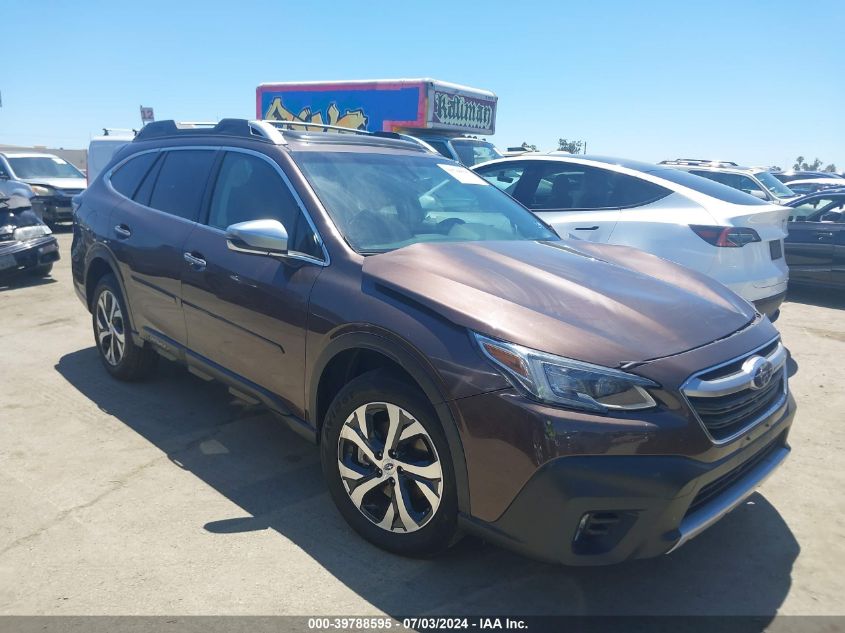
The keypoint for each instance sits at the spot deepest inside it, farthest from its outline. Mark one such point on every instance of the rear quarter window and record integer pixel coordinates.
(129, 175)
(706, 186)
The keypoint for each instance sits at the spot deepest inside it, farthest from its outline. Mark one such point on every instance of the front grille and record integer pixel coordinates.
(715, 487)
(736, 365)
(724, 416)
(724, 398)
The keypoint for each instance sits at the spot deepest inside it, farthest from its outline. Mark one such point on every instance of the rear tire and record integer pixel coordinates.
(121, 357)
(409, 501)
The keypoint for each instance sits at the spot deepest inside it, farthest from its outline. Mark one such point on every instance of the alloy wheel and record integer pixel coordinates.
(111, 333)
(390, 467)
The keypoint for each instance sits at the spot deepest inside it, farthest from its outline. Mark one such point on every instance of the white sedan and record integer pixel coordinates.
(709, 227)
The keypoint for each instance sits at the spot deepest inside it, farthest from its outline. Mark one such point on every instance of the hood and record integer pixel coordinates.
(592, 302)
(58, 183)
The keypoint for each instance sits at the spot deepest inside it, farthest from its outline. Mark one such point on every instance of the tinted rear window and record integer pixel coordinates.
(706, 186)
(181, 183)
(128, 176)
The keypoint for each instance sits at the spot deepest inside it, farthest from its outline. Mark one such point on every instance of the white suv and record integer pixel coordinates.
(756, 181)
(731, 236)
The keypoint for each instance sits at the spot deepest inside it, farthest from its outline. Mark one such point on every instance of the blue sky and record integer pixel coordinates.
(755, 82)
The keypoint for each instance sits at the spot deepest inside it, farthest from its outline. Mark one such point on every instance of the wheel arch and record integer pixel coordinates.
(354, 353)
(99, 263)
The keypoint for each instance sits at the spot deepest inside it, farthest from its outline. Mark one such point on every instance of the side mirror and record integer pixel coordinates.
(258, 237)
(757, 194)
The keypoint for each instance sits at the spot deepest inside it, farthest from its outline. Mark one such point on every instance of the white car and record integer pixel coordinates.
(102, 148)
(734, 237)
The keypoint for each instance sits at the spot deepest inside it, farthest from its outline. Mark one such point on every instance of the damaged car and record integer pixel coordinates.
(26, 243)
(461, 367)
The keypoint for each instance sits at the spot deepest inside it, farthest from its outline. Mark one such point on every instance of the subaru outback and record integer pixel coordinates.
(461, 367)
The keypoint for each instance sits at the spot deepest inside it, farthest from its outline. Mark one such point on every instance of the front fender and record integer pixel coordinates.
(395, 348)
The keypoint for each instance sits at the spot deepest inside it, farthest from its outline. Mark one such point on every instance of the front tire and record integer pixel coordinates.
(121, 357)
(387, 466)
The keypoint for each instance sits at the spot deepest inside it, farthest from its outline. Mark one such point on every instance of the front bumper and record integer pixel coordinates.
(606, 508)
(19, 256)
(55, 208)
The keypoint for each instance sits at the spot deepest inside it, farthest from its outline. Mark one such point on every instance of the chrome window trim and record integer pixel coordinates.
(292, 255)
(779, 353)
(107, 177)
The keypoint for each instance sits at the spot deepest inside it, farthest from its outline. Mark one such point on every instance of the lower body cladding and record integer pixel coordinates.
(599, 509)
(28, 255)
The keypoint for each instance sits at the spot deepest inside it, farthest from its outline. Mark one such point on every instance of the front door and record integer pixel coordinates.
(811, 243)
(246, 314)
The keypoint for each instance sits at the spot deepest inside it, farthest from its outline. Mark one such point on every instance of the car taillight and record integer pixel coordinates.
(726, 236)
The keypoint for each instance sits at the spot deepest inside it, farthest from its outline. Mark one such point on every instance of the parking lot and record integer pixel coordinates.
(169, 497)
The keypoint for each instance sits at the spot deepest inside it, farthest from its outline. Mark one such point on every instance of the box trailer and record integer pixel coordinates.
(438, 113)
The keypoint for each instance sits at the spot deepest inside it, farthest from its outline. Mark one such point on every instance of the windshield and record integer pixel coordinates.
(43, 167)
(775, 186)
(383, 202)
(475, 152)
(706, 186)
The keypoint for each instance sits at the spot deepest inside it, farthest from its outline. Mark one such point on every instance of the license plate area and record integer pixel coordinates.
(776, 249)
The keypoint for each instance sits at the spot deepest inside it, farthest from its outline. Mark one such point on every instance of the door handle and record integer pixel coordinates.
(122, 231)
(823, 237)
(586, 228)
(195, 262)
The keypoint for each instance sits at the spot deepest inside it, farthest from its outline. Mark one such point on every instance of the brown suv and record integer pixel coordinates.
(460, 366)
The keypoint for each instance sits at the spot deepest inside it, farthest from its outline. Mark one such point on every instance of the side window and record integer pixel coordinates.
(818, 209)
(747, 184)
(128, 176)
(249, 188)
(715, 176)
(181, 182)
(504, 177)
(572, 186)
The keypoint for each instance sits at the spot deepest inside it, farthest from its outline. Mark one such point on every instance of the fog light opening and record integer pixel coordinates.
(601, 530)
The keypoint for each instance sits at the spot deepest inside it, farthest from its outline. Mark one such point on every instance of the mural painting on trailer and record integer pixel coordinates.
(381, 105)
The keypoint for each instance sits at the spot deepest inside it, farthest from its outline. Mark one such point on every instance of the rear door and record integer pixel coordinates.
(149, 229)
(246, 313)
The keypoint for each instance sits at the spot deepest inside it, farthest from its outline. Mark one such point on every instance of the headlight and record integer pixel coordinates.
(41, 190)
(572, 383)
(24, 233)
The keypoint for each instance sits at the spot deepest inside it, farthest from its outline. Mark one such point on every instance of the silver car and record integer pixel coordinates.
(47, 180)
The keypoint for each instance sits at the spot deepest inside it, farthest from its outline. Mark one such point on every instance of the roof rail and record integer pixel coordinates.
(229, 127)
(271, 131)
(319, 127)
(699, 161)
